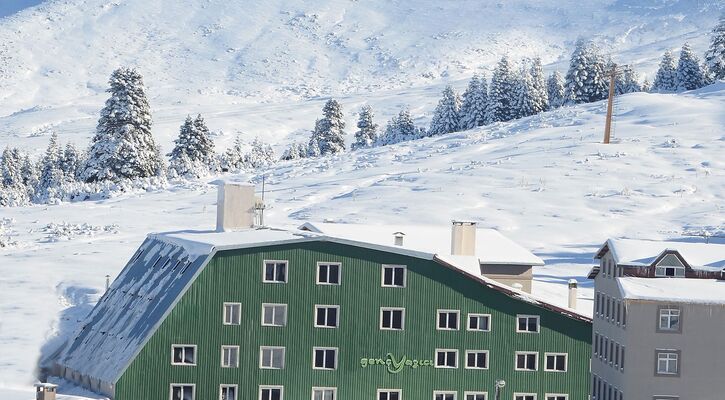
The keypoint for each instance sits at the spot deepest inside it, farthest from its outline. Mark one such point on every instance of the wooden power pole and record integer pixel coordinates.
(610, 104)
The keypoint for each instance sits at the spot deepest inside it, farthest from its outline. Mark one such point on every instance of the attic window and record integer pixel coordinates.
(670, 267)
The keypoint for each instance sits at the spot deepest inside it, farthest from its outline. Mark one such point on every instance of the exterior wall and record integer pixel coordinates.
(510, 274)
(236, 276)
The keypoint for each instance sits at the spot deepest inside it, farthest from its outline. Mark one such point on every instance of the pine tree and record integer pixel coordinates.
(51, 174)
(689, 73)
(123, 147)
(501, 99)
(627, 80)
(233, 157)
(70, 162)
(523, 105)
(473, 107)
(367, 129)
(196, 147)
(400, 128)
(555, 89)
(30, 175)
(295, 151)
(11, 169)
(586, 80)
(329, 134)
(666, 78)
(445, 117)
(715, 55)
(646, 85)
(260, 155)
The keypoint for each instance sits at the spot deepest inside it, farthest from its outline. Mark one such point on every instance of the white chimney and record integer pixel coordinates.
(235, 206)
(573, 284)
(463, 238)
(398, 238)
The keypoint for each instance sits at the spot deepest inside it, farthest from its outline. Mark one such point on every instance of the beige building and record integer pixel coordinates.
(659, 318)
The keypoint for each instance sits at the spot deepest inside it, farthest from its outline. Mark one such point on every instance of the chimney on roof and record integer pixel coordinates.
(463, 238)
(235, 208)
(573, 284)
(398, 238)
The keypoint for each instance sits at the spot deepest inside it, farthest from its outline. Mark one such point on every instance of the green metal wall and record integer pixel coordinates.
(236, 276)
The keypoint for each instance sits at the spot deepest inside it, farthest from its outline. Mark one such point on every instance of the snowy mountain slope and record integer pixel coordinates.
(545, 181)
(223, 58)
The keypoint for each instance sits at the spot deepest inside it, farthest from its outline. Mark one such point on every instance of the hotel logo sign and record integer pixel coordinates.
(393, 364)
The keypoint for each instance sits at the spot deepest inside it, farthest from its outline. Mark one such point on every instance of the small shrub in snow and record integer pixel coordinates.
(66, 231)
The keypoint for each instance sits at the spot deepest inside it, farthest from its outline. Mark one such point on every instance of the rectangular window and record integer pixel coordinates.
(669, 272)
(616, 354)
(324, 358)
(524, 396)
(232, 313)
(479, 322)
(394, 276)
(392, 318)
(444, 395)
(527, 323)
(669, 319)
(446, 358)
(621, 360)
(230, 356)
(477, 359)
(390, 394)
(182, 391)
(448, 320)
(527, 361)
(327, 316)
(556, 362)
(228, 392)
(275, 272)
(271, 357)
(274, 314)
(476, 396)
(668, 362)
(324, 393)
(183, 354)
(557, 396)
(271, 393)
(328, 273)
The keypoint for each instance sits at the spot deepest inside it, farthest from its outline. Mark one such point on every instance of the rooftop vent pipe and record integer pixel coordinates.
(398, 238)
(463, 238)
(235, 208)
(573, 284)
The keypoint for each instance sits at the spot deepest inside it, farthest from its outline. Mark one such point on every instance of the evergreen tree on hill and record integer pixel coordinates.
(586, 80)
(666, 78)
(51, 174)
(627, 80)
(233, 157)
(367, 129)
(11, 168)
(445, 117)
(193, 152)
(715, 55)
(523, 104)
(30, 175)
(400, 128)
(555, 89)
(295, 151)
(501, 93)
(473, 108)
(329, 134)
(260, 155)
(70, 162)
(689, 72)
(540, 93)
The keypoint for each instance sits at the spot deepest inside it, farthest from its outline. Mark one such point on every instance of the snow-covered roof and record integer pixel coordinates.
(698, 255)
(676, 290)
(491, 246)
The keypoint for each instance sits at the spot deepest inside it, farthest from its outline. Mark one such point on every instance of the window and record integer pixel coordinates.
(670, 267)
(232, 313)
(392, 318)
(275, 271)
(274, 314)
(524, 396)
(440, 395)
(476, 396)
(556, 362)
(527, 323)
(390, 394)
(669, 319)
(394, 276)
(183, 354)
(527, 361)
(479, 322)
(228, 392)
(271, 392)
(324, 393)
(324, 358)
(271, 357)
(326, 316)
(328, 273)
(668, 362)
(557, 396)
(230, 356)
(477, 359)
(446, 358)
(448, 320)
(182, 392)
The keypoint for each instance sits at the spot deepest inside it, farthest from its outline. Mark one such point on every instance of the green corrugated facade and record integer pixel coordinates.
(236, 276)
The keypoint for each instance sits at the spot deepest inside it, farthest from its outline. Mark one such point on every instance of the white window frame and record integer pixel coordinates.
(337, 355)
(553, 354)
(548, 395)
(261, 356)
(475, 393)
(224, 347)
(516, 361)
(538, 323)
(661, 352)
(264, 271)
(339, 273)
(524, 394)
(405, 276)
(402, 324)
(280, 387)
(488, 359)
(275, 305)
(182, 363)
(326, 306)
(448, 311)
(171, 389)
(478, 315)
(225, 315)
(224, 386)
(445, 392)
(334, 391)
(380, 391)
(457, 358)
(669, 319)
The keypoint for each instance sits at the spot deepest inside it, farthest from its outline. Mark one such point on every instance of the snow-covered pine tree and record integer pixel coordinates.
(473, 107)
(555, 89)
(523, 104)
(329, 134)
(260, 155)
(195, 144)
(500, 105)
(400, 128)
(627, 80)
(295, 151)
(233, 157)
(540, 93)
(11, 169)
(445, 117)
(689, 72)
(666, 78)
(367, 129)
(30, 175)
(646, 85)
(70, 162)
(51, 174)
(123, 147)
(586, 80)
(715, 54)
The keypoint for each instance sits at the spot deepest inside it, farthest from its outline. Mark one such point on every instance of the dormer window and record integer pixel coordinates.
(670, 267)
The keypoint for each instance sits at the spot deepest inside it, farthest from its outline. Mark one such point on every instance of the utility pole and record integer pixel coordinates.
(610, 105)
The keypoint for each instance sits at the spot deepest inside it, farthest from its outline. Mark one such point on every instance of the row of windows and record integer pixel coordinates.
(276, 271)
(610, 309)
(610, 269)
(609, 351)
(602, 390)
(273, 357)
(274, 392)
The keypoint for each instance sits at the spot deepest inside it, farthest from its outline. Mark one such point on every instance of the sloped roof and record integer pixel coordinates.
(676, 290)
(698, 255)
